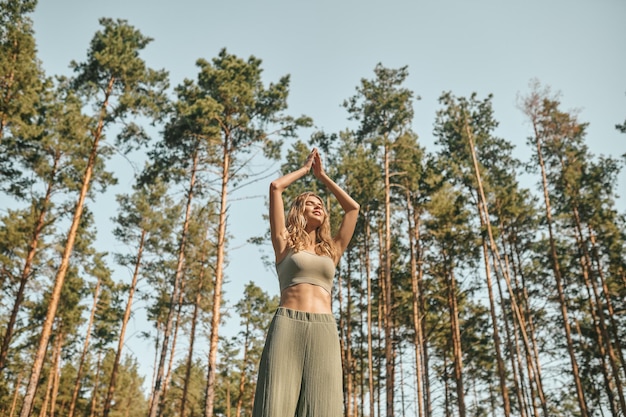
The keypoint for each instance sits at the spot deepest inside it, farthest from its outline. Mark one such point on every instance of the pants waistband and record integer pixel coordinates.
(305, 315)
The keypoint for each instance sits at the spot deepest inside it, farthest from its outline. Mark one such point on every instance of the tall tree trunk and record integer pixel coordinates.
(65, 261)
(242, 373)
(56, 374)
(158, 384)
(16, 393)
(580, 394)
(177, 325)
(485, 223)
(510, 330)
(597, 312)
(389, 314)
(609, 305)
(415, 257)
(370, 345)
(349, 365)
(342, 340)
(192, 336)
(48, 402)
(28, 265)
(501, 369)
(120, 343)
(496, 255)
(455, 329)
(83, 355)
(96, 383)
(219, 277)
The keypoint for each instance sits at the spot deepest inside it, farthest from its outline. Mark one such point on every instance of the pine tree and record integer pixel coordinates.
(114, 68)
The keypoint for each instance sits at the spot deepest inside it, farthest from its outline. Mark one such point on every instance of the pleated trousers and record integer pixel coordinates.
(300, 370)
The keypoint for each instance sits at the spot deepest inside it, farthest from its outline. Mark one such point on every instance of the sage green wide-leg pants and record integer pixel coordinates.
(300, 370)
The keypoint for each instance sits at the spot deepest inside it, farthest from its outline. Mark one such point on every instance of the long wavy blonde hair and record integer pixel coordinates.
(296, 227)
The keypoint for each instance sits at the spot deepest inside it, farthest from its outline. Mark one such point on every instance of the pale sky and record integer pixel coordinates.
(485, 46)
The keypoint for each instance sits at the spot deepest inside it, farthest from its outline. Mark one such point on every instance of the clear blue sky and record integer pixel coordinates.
(464, 46)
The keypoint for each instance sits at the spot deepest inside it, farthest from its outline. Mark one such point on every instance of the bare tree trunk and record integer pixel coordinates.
(609, 305)
(596, 308)
(457, 350)
(219, 277)
(342, 340)
(559, 284)
(511, 333)
(158, 385)
(496, 255)
(96, 382)
(83, 355)
(170, 365)
(370, 345)
(125, 319)
(242, 373)
(192, 337)
(48, 402)
(16, 393)
(28, 265)
(415, 257)
(349, 365)
(388, 292)
(65, 262)
(504, 391)
(56, 374)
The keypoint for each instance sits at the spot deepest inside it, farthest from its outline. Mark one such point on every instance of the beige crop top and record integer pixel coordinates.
(305, 268)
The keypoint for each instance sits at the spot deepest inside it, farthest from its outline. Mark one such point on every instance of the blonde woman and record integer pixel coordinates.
(300, 370)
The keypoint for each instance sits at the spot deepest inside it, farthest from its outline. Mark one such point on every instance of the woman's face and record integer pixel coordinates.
(314, 211)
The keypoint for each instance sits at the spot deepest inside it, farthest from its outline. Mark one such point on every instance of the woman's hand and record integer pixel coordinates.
(318, 170)
(310, 160)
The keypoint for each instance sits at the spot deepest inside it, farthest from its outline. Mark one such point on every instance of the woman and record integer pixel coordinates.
(300, 370)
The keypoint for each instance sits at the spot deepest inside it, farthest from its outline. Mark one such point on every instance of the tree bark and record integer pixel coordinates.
(158, 384)
(219, 277)
(125, 319)
(28, 264)
(83, 355)
(557, 276)
(65, 262)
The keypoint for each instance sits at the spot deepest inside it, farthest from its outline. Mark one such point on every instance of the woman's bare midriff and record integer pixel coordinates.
(306, 297)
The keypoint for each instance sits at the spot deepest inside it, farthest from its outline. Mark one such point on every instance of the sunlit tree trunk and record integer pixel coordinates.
(388, 321)
(192, 336)
(96, 384)
(83, 355)
(55, 374)
(65, 261)
(370, 345)
(125, 319)
(415, 260)
(177, 325)
(219, 277)
(455, 330)
(557, 276)
(28, 264)
(609, 305)
(596, 308)
(494, 250)
(177, 285)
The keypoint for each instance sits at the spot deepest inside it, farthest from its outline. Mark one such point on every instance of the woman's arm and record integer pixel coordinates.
(347, 203)
(278, 228)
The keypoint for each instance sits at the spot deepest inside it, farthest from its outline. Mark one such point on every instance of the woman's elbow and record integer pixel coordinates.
(274, 186)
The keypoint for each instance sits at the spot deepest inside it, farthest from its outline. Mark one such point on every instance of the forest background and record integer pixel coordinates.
(327, 48)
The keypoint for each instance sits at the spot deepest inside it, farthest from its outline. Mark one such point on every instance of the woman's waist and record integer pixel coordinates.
(306, 297)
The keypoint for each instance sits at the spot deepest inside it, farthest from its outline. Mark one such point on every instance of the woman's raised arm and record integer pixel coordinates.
(350, 207)
(278, 228)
